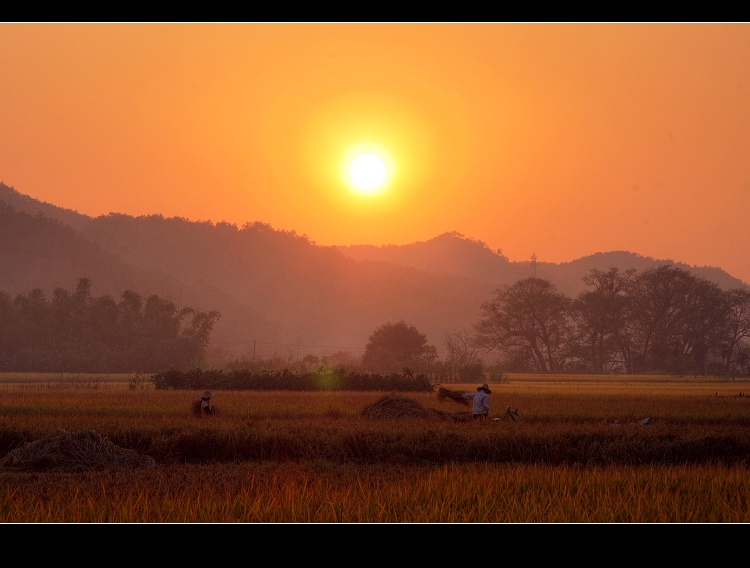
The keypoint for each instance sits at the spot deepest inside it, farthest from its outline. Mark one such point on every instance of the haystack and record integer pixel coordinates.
(73, 452)
(394, 407)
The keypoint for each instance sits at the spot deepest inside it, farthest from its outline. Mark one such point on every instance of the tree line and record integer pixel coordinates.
(77, 332)
(660, 320)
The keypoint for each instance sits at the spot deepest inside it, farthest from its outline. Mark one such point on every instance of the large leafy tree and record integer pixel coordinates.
(601, 315)
(737, 328)
(393, 347)
(678, 320)
(528, 321)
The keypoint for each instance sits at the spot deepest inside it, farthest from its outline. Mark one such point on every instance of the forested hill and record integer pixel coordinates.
(34, 207)
(318, 297)
(277, 292)
(38, 252)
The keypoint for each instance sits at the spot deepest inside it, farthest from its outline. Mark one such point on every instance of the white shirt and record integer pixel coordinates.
(481, 402)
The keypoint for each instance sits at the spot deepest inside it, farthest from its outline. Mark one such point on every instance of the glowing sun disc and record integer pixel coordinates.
(367, 172)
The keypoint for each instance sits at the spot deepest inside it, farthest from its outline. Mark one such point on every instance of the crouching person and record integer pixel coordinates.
(206, 408)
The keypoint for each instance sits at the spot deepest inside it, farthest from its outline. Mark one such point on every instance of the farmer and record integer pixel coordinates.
(206, 403)
(481, 406)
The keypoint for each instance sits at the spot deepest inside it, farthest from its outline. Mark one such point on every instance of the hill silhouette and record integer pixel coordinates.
(453, 253)
(279, 293)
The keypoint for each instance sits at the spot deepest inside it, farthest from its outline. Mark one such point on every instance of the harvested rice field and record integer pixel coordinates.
(578, 452)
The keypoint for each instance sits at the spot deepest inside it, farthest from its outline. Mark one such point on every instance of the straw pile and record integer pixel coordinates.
(394, 407)
(73, 452)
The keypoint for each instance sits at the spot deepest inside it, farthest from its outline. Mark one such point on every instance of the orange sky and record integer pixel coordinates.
(558, 139)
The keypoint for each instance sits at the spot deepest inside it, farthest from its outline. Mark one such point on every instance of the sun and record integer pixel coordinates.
(367, 169)
(367, 172)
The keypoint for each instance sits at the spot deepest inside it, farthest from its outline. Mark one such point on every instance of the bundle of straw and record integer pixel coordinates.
(73, 452)
(394, 406)
(452, 395)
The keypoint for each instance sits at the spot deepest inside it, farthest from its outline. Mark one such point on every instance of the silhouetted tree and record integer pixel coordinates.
(392, 347)
(601, 315)
(737, 329)
(77, 332)
(130, 307)
(528, 321)
(677, 320)
(7, 329)
(195, 337)
(341, 359)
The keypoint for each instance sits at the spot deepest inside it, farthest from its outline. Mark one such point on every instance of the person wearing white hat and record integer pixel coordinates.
(206, 403)
(481, 407)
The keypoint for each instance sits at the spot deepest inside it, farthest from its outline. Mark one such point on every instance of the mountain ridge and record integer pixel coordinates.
(489, 264)
(275, 288)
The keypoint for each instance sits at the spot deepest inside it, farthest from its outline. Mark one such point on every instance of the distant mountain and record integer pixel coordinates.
(277, 291)
(36, 250)
(449, 253)
(21, 202)
(567, 275)
(316, 295)
(453, 253)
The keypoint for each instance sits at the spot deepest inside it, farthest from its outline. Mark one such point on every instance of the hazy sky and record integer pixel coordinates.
(561, 140)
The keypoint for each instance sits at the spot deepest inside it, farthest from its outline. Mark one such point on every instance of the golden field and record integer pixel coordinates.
(288, 457)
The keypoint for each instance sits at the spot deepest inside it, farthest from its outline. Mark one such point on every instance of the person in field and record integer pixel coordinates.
(481, 406)
(206, 403)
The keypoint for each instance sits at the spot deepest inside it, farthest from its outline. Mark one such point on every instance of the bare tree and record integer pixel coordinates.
(463, 359)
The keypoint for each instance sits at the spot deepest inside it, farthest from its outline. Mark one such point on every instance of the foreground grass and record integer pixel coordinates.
(320, 492)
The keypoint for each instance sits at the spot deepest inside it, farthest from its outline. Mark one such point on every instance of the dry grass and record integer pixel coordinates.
(320, 492)
(73, 452)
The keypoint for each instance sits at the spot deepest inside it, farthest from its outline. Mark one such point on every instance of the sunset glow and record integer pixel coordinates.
(562, 140)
